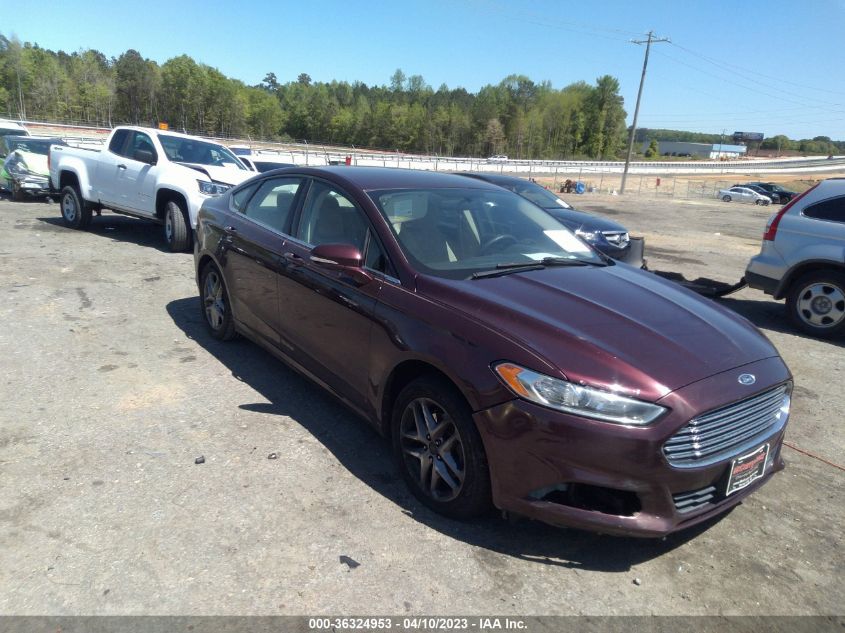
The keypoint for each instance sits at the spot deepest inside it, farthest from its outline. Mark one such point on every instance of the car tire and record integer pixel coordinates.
(215, 305)
(177, 232)
(815, 303)
(726, 198)
(76, 213)
(759, 202)
(438, 449)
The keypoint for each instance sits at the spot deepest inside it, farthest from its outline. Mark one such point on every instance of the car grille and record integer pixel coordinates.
(619, 239)
(686, 502)
(723, 432)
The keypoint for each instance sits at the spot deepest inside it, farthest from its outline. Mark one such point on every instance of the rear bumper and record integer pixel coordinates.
(761, 282)
(549, 466)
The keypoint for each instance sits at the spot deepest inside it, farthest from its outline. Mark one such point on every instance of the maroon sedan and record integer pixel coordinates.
(509, 362)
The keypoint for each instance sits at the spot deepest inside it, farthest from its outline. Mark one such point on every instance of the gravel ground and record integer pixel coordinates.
(111, 390)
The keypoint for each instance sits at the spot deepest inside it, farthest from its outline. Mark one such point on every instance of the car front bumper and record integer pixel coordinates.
(31, 185)
(570, 471)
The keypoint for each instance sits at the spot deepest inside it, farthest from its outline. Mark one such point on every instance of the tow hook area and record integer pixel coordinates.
(703, 285)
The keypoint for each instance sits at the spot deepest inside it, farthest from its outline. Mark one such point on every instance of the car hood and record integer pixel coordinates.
(226, 175)
(576, 220)
(36, 163)
(613, 327)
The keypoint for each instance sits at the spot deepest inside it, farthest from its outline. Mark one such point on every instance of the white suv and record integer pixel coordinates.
(803, 259)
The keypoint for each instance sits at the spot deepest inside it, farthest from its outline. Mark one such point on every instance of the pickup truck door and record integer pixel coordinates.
(108, 168)
(136, 179)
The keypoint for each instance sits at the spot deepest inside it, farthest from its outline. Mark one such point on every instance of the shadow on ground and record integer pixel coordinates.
(358, 447)
(769, 314)
(119, 228)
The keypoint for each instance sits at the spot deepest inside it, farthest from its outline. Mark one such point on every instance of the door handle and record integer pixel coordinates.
(230, 229)
(293, 258)
(121, 166)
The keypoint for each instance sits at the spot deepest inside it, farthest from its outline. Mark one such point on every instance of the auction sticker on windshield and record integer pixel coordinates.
(567, 241)
(747, 469)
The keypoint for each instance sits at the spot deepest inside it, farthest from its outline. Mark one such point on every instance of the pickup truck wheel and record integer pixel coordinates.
(216, 310)
(816, 303)
(176, 230)
(75, 213)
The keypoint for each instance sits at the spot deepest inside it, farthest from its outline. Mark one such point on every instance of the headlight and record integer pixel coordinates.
(212, 188)
(588, 236)
(577, 399)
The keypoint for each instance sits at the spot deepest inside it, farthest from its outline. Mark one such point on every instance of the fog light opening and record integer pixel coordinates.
(594, 498)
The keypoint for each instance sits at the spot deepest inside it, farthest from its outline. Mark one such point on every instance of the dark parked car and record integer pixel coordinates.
(778, 194)
(509, 362)
(610, 237)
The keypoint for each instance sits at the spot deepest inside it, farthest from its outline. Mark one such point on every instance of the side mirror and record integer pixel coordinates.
(344, 258)
(145, 156)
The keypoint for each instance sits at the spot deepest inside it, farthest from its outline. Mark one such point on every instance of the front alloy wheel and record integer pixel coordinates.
(432, 449)
(438, 448)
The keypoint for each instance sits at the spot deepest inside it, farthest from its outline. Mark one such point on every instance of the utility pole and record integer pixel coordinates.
(647, 42)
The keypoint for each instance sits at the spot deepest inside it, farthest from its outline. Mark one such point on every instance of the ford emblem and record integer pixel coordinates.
(747, 379)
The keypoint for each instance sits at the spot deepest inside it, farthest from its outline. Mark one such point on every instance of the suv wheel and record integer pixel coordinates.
(816, 303)
(438, 449)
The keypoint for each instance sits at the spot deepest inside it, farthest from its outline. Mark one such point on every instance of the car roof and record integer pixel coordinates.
(496, 179)
(369, 178)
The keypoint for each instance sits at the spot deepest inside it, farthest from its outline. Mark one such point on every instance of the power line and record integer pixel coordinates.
(716, 62)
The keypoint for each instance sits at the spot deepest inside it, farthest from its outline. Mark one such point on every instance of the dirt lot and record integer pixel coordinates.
(111, 389)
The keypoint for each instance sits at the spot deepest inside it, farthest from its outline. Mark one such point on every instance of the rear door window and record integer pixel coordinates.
(832, 210)
(118, 142)
(273, 203)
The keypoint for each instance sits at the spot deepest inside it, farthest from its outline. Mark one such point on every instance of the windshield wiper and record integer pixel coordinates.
(513, 267)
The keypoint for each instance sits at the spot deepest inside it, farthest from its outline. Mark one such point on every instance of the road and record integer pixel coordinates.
(112, 389)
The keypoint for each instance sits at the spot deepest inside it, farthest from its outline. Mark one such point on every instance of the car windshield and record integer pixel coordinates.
(538, 195)
(40, 146)
(454, 233)
(190, 150)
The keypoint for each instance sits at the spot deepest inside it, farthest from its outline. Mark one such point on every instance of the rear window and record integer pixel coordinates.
(118, 140)
(832, 210)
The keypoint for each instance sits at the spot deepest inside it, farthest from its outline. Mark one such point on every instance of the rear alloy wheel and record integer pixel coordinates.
(726, 198)
(75, 213)
(816, 303)
(439, 450)
(216, 310)
(177, 233)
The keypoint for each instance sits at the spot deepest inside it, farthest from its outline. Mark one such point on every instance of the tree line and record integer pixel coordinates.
(516, 117)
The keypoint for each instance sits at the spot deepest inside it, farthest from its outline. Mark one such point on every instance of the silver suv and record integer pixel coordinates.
(803, 259)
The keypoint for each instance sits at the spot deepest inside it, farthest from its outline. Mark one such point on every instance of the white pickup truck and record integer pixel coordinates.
(146, 173)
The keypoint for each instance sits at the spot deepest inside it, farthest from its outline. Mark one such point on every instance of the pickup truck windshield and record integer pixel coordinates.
(191, 150)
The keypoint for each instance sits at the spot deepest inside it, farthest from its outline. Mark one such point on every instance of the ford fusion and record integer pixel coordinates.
(510, 364)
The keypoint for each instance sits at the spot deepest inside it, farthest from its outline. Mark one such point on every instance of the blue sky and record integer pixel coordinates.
(768, 66)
